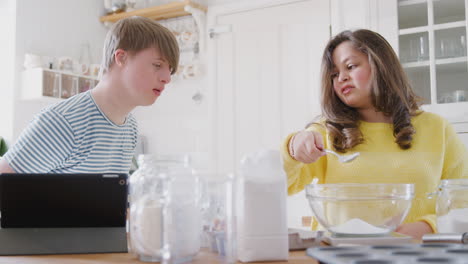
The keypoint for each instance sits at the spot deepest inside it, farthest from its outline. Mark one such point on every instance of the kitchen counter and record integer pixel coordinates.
(295, 257)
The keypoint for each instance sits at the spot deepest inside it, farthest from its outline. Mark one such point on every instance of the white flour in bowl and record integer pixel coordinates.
(357, 226)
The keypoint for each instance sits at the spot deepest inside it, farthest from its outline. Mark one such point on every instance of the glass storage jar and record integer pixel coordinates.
(148, 198)
(452, 206)
(164, 222)
(184, 229)
(218, 215)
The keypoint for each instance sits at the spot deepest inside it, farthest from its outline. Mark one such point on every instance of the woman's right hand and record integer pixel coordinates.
(306, 146)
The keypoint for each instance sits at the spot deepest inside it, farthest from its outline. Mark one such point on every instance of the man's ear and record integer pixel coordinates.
(120, 57)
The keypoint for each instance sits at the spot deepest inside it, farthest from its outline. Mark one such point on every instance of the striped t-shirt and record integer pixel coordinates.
(74, 136)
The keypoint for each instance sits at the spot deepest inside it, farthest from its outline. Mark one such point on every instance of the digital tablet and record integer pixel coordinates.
(63, 200)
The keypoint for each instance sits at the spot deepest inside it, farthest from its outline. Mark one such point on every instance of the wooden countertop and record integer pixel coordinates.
(295, 257)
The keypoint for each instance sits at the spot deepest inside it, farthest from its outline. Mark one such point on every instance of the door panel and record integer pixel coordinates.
(267, 76)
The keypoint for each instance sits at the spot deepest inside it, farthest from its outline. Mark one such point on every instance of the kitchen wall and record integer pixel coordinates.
(7, 47)
(177, 124)
(52, 28)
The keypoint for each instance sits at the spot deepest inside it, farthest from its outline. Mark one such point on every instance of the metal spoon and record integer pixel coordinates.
(343, 158)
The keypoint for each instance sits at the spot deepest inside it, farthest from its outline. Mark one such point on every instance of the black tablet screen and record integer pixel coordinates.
(63, 200)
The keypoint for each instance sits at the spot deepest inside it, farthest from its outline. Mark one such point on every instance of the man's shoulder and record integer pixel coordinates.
(63, 113)
(74, 103)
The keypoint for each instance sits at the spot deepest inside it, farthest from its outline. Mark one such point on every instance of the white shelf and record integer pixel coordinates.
(411, 2)
(53, 85)
(451, 60)
(452, 68)
(456, 24)
(71, 74)
(416, 64)
(408, 31)
(166, 11)
(172, 9)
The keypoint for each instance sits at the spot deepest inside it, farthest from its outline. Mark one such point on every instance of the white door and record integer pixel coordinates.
(267, 75)
(267, 71)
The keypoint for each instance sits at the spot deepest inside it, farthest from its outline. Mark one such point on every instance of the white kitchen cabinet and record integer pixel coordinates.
(431, 43)
(430, 38)
(433, 48)
(39, 83)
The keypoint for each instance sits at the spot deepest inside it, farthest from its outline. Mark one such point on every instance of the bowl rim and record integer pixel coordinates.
(407, 187)
(359, 184)
(461, 183)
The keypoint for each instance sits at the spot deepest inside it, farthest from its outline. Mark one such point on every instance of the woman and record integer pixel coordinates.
(368, 106)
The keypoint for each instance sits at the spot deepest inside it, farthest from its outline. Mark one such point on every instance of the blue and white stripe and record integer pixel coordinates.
(74, 136)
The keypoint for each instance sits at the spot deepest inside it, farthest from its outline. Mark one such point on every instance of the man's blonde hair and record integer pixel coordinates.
(134, 34)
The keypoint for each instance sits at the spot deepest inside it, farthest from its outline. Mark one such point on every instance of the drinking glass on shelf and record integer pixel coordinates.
(440, 49)
(462, 46)
(445, 98)
(423, 49)
(459, 96)
(419, 49)
(448, 48)
(451, 46)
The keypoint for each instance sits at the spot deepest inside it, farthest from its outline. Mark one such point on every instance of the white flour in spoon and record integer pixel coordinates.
(358, 227)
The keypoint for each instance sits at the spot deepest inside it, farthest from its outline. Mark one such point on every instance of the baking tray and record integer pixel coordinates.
(392, 254)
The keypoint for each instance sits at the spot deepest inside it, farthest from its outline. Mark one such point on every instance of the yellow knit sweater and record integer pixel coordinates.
(436, 153)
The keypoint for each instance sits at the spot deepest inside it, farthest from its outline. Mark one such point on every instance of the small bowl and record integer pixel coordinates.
(358, 209)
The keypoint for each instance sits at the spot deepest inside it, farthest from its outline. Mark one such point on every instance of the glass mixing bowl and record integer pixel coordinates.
(358, 209)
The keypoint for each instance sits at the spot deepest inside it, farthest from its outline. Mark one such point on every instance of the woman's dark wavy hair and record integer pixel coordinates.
(390, 91)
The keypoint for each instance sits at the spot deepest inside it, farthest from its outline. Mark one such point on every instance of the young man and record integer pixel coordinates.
(94, 132)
